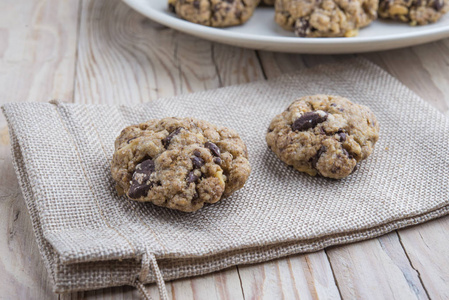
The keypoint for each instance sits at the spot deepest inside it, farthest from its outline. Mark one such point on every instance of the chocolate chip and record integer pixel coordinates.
(213, 148)
(131, 140)
(302, 27)
(438, 5)
(197, 153)
(139, 184)
(196, 4)
(308, 120)
(167, 140)
(197, 162)
(349, 155)
(342, 136)
(314, 160)
(333, 104)
(191, 177)
(172, 8)
(217, 160)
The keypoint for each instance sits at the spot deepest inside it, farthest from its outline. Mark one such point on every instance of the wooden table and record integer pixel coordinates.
(103, 52)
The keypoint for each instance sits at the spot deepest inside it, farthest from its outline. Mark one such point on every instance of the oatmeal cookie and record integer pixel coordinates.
(325, 18)
(179, 163)
(415, 12)
(323, 135)
(215, 13)
(268, 2)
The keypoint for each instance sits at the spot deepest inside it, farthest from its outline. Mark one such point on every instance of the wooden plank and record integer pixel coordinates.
(37, 59)
(427, 248)
(220, 285)
(375, 269)
(126, 58)
(296, 277)
(424, 69)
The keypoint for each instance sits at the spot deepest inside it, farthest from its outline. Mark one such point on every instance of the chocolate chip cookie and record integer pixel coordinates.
(179, 163)
(268, 2)
(325, 18)
(215, 13)
(415, 12)
(323, 135)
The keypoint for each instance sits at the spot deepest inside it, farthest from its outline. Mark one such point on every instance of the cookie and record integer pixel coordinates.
(179, 163)
(415, 12)
(268, 2)
(323, 135)
(325, 18)
(215, 13)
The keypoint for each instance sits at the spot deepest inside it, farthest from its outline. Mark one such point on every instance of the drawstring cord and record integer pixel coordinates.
(149, 260)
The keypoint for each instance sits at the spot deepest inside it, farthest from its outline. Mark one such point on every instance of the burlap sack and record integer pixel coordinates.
(91, 238)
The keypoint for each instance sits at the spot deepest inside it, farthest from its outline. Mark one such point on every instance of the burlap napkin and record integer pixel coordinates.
(92, 238)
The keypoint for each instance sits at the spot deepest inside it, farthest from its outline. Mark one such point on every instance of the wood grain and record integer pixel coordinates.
(296, 277)
(424, 69)
(37, 59)
(427, 249)
(375, 269)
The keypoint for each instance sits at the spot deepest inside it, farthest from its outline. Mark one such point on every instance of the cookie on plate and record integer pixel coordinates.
(215, 13)
(415, 12)
(323, 135)
(325, 18)
(179, 163)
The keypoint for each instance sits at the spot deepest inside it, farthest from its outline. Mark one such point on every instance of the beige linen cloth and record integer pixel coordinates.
(92, 238)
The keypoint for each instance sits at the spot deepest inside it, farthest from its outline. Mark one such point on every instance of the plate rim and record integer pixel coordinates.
(214, 33)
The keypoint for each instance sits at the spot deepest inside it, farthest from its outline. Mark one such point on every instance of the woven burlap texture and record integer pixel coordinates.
(91, 238)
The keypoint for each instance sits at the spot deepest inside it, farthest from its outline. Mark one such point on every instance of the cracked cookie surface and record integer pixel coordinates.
(323, 135)
(215, 13)
(325, 18)
(415, 12)
(179, 163)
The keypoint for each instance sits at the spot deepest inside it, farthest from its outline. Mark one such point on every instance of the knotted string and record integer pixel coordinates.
(149, 260)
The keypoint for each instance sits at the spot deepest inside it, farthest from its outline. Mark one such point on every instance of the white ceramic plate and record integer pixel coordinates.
(261, 32)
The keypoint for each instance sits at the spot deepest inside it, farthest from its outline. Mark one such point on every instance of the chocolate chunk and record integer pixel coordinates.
(131, 140)
(217, 160)
(167, 140)
(196, 4)
(314, 160)
(172, 8)
(302, 27)
(197, 153)
(140, 184)
(349, 155)
(438, 5)
(308, 120)
(191, 177)
(197, 162)
(213, 148)
(342, 136)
